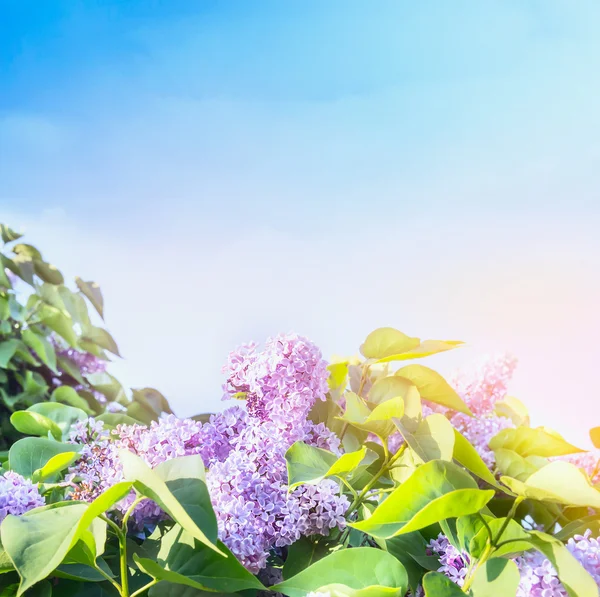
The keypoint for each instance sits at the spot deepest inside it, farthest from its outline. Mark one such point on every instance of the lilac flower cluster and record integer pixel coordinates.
(281, 383)
(17, 495)
(538, 575)
(589, 462)
(486, 382)
(249, 489)
(453, 563)
(481, 386)
(99, 467)
(86, 362)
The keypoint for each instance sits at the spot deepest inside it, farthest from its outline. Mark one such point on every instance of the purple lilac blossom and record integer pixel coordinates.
(245, 452)
(538, 575)
(86, 362)
(453, 563)
(99, 467)
(249, 489)
(282, 382)
(254, 510)
(17, 495)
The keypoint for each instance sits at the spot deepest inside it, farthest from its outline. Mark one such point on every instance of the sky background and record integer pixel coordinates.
(230, 170)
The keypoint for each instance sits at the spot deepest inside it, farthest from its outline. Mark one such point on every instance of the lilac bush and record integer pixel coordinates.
(318, 482)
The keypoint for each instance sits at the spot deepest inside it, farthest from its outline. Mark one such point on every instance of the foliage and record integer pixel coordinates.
(52, 350)
(353, 479)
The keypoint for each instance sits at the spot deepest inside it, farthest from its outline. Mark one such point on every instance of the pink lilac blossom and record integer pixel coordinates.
(17, 495)
(486, 382)
(481, 386)
(588, 461)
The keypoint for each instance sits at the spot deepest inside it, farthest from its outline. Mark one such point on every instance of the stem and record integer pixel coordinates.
(144, 588)
(363, 378)
(484, 556)
(492, 544)
(352, 490)
(123, 547)
(384, 467)
(123, 566)
(510, 516)
(487, 527)
(111, 524)
(108, 577)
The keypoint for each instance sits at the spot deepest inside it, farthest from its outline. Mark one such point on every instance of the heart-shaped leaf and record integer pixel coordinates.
(435, 491)
(357, 568)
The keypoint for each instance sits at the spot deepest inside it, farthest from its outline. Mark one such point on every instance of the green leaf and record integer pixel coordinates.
(42, 348)
(570, 572)
(67, 396)
(560, 482)
(101, 338)
(386, 388)
(512, 409)
(595, 436)
(150, 484)
(27, 251)
(64, 416)
(55, 465)
(357, 568)
(496, 576)
(410, 550)
(47, 272)
(513, 532)
(378, 421)
(435, 491)
(92, 292)
(8, 235)
(147, 405)
(433, 387)
(7, 351)
(303, 553)
(307, 464)
(109, 386)
(32, 423)
(59, 323)
(511, 464)
(385, 343)
(467, 455)
(526, 441)
(38, 541)
(432, 440)
(338, 378)
(579, 526)
(32, 453)
(435, 584)
(429, 347)
(185, 478)
(181, 559)
(111, 420)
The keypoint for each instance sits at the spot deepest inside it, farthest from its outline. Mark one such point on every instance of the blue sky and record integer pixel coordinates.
(228, 170)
